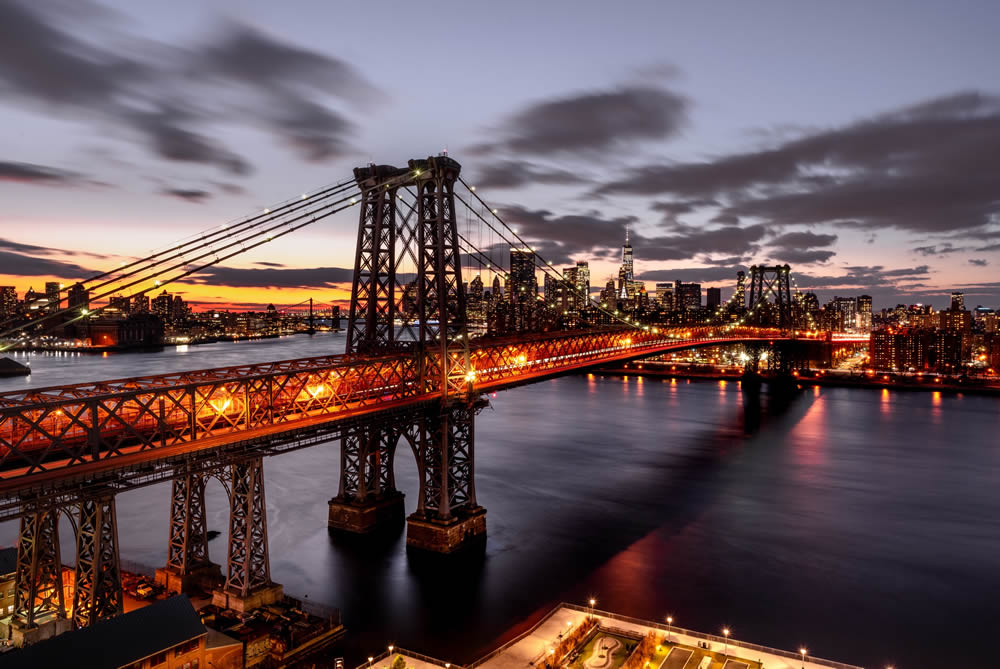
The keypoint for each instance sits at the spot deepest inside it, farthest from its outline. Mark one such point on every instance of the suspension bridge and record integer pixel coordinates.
(413, 372)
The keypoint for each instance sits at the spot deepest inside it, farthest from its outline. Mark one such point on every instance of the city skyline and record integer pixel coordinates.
(132, 129)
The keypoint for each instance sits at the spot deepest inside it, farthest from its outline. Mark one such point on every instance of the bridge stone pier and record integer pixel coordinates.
(367, 498)
(447, 518)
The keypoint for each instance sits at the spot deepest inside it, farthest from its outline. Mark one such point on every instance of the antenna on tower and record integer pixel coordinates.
(626, 234)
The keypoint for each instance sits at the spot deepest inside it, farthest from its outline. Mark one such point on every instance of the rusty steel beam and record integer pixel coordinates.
(187, 548)
(97, 592)
(248, 566)
(38, 585)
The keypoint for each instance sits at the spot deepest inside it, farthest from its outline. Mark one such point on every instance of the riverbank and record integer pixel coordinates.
(918, 383)
(99, 350)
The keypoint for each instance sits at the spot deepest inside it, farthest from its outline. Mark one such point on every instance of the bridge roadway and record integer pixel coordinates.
(127, 433)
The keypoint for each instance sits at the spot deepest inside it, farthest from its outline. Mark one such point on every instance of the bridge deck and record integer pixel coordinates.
(49, 434)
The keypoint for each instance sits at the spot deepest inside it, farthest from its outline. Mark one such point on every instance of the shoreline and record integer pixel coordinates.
(96, 350)
(874, 382)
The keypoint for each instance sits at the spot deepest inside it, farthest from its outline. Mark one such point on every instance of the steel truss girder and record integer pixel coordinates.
(367, 454)
(38, 586)
(187, 548)
(248, 566)
(98, 589)
(67, 432)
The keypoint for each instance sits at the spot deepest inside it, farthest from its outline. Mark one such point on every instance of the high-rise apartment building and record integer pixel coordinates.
(8, 301)
(713, 298)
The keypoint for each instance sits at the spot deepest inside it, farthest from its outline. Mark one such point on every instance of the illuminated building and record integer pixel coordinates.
(713, 297)
(958, 301)
(687, 295)
(8, 301)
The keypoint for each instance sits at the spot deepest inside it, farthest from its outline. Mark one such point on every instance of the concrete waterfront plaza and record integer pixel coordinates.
(687, 652)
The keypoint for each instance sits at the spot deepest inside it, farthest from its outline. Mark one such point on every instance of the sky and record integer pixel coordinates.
(859, 142)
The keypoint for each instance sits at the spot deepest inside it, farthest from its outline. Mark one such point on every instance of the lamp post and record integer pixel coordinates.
(670, 621)
(804, 652)
(725, 633)
(370, 660)
(592, 602)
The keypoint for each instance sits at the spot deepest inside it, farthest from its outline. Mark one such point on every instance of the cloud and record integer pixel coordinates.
(173, 100)
(564, 235)
(937, 250)
(189, 194)
(31, 249)
(928, 168)
(317, 277)
(978, 262)
(18, 264)
(696, 274)
(801, 248)
(587, 123)
(37, 174)
(499, 174)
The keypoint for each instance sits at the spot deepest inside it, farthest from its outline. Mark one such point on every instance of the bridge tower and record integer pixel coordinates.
(377, 323)
(770, 300)
(430, 324)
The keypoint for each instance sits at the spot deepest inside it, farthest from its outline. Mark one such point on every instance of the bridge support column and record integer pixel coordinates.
(367, 498)
(248, 577)
(97, 592)
(447, 518)
(39, 603)
(188, 565)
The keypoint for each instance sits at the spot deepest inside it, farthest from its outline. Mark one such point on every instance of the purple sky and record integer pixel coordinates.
(857, 141)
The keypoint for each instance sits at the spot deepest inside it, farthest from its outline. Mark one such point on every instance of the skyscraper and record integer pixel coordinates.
(741, 290)
(864, 313)
(626, 289)
(687, 295)
(713, 297)
(53, 290)
(8, 301)
(957, 301)
(523, 284)
(665, 294)
(583, 283)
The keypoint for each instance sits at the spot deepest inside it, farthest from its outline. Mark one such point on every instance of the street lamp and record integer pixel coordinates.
(803, 652)
(592, 602)
(370, 660)
(670, 621)
(725, 633)
(390, 648)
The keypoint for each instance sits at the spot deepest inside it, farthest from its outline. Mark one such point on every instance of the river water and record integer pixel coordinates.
(864, 524)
